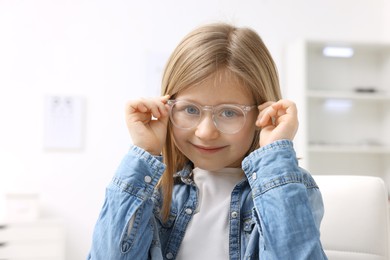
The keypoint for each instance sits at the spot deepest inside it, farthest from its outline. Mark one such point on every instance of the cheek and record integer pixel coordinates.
(247, 135)
(250, 125)
(179, 137)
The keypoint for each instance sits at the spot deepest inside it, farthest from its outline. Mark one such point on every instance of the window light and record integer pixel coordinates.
(338, 105)
(339, 52)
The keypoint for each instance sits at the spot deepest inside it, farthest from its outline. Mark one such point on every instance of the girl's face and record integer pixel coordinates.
(205, 145)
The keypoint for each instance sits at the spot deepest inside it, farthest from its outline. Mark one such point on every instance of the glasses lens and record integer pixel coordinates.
(185, 115)
(229, 118)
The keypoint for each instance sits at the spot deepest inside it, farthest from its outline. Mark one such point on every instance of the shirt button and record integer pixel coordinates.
(169, 255)
(188, 211)
(234, 214)
(148, 179)
(254, 176)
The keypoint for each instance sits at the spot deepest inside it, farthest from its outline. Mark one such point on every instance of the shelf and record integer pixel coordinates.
(369, 149)
(325, 94)
(344, 107)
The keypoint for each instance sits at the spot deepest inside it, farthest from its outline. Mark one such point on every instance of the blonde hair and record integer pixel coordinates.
(200, 55)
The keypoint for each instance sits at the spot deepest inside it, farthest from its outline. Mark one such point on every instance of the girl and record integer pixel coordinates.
(212, 173)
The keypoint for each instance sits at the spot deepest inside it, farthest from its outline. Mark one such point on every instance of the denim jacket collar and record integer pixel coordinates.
(186, 175)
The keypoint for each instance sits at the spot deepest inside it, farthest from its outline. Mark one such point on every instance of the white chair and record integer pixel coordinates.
(356, 221)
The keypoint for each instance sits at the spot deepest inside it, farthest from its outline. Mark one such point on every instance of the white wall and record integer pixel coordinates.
(101, 50)
(386, 20)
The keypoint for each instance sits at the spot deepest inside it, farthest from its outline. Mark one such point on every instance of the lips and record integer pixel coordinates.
(208, 149)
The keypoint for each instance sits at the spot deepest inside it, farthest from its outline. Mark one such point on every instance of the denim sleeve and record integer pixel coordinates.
(126, 227)
(288, 204)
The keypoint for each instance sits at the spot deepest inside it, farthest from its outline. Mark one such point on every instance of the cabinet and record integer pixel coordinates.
(32, 240)
(343, 105)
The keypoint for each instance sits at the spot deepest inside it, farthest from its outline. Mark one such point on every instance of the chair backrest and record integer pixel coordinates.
(356, 221)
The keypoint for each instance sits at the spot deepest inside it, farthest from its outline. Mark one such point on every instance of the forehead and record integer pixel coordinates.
(219, 88)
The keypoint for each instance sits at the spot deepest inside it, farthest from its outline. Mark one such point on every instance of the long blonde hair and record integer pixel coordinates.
(203, 52)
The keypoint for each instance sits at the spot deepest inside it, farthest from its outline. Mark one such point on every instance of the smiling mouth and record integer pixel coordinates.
(205, 149)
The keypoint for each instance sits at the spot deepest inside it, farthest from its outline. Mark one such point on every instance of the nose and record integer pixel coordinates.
(206, 129)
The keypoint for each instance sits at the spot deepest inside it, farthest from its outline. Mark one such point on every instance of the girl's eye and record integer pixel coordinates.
(192, 110)
(230, 113)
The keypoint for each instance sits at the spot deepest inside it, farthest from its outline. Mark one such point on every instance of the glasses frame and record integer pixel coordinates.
(245, 109)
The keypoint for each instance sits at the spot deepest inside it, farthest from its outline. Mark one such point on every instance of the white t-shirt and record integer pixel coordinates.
(207, 235)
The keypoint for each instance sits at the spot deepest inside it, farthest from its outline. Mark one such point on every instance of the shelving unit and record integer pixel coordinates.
(343, 105)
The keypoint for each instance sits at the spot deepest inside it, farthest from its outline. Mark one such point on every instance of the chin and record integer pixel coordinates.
(206, 166)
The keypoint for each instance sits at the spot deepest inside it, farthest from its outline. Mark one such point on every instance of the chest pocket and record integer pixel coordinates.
(165, 224)
(250, 239)
(157, 214)
(248, 225)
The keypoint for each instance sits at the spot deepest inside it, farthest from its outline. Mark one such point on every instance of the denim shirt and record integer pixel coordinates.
(275, 213)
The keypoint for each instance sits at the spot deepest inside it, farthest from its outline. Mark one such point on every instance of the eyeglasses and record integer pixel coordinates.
(227, 118)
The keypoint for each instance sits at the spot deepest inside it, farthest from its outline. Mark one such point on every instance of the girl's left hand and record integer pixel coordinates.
(277, 120)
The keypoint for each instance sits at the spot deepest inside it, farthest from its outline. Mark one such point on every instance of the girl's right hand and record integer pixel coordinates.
(147, 121)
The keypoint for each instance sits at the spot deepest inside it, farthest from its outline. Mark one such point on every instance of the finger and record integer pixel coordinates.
(285, 106)
(266, 117)
(162, 105)
(273, 112)
(286, 111)
(134, 106)
(141, 107)
(154, 106)
(137, 112)
(160, 109)
(165, 98)
(265, 105)
(164, 119)
(262, 116)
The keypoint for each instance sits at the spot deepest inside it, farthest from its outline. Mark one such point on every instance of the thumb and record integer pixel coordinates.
(165, 118)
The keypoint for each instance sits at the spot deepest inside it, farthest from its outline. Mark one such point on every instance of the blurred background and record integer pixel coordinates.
(68, 67)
